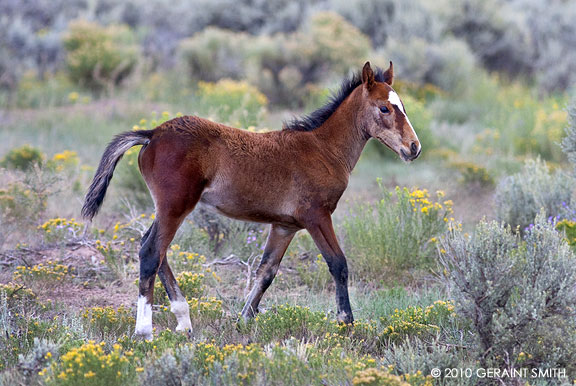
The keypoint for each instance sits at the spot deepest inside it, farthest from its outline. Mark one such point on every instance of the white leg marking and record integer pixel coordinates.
(181, 310)
(144, 318)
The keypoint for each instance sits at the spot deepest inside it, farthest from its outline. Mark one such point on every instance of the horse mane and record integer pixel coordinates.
(318, 117)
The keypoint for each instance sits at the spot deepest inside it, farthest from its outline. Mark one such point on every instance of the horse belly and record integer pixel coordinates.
(249, 206)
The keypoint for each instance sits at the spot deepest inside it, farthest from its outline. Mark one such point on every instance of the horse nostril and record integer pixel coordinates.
(414, 147)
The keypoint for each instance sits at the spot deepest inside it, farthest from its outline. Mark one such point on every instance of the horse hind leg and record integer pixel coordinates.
(149, 261)
(178, 304)
(152, 256)
(276, 245)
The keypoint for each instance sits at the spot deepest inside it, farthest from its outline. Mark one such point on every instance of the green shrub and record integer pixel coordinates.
(99, 57)
(233, 102)
(54, 90)
(17, 294)
(291, 362)
(214, 53)
(40, 276)
(569, 141)
(416, 321)
(23, 202)
(568, 228)
(518, 295)
(90, 364)
(473, 175)
(335, 42)
(282, 65)
(22, 158)
(107, 322)
(16, 201)
(227, 236)
(416, 357)
(448, 63)
(285, 64)
(284, 321)
(60, 230)
(375, 377)
(191, 284)
(23, 322)
(395, 232)
(521, 196)
(315, 274)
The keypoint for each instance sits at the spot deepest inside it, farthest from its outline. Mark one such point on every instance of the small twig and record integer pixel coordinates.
(234, 260)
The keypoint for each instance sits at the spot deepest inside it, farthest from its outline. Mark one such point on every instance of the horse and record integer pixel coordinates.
(291, 179)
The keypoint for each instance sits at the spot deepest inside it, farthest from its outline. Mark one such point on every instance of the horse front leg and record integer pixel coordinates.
(276, 245)
(322, 233)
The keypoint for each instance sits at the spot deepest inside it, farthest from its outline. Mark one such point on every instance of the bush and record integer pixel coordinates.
(99, 57)
(91, 365)
(448, 64)
(236, 103)
(569, 141)
(17, 294)
(285, 64)
(107, 322)
(42, 275)
(416, 321)
(473, 175)
(551, 30)
(494, 33)
(419, 356)
(315, 274)
(225, 236)
(285, 321)
(214, 53)
(521, 196)
(519, 295)
(292, 362)
(395, 234)
(22, 158)
(281, 66)
(60, 229)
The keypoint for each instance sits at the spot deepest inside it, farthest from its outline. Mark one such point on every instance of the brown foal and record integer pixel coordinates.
(291, 179)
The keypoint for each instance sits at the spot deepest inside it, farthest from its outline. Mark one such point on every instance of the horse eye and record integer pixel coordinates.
(384, 110)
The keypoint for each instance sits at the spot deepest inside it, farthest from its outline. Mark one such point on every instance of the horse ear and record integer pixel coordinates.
(389, 74)
(368, 76)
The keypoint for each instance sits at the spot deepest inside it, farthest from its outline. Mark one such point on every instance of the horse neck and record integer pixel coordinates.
(341, 136)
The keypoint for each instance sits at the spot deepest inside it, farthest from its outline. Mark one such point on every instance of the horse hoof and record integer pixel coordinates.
(345, 318)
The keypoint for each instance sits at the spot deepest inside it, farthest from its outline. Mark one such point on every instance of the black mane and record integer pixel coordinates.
(317, 118)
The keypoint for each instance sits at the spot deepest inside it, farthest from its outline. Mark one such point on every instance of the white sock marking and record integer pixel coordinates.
(144, 318)
(181, 310)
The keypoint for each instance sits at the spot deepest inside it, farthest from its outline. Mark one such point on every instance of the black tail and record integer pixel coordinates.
(113, 153)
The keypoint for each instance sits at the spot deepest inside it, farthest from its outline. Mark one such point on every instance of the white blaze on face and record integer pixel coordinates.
(144, 318)
(395, 100)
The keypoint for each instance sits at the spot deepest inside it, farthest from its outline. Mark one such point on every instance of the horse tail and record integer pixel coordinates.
(113, 153)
